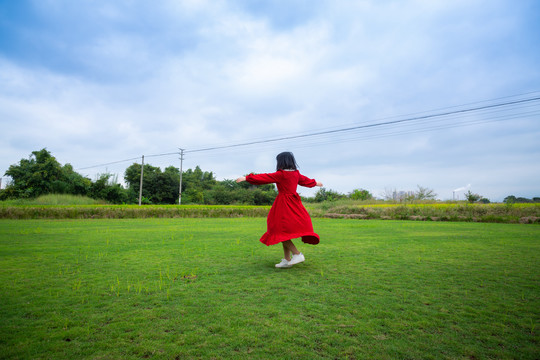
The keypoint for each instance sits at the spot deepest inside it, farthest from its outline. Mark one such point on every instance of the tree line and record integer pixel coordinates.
(42, 174)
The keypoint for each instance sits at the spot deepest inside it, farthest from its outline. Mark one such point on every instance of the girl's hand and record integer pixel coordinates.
(240, 179)
(319, 184)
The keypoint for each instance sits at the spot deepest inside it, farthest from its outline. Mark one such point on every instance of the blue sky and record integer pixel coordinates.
(99, 81)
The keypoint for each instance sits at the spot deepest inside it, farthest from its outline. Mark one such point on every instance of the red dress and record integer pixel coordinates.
(288, 218)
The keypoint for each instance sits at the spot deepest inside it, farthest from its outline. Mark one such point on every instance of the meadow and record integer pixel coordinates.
(73, 207)
(205, 288)
(528, 213)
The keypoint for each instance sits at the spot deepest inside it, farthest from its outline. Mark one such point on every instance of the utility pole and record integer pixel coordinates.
(141, 182)
(180, 187)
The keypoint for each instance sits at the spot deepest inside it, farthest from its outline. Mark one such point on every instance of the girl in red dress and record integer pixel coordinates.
(288, 218)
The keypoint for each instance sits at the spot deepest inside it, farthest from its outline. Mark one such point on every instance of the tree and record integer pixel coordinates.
(522, 200)
(156, 186)
(261, 197)
(230, 192)
(195, 183)
(327, 195)
(221, 194)
(360, 194)
(161, 187)
(76, 183)
(509, 199)
(42, 174)
(104, 188)
(424, 193)
(167, 184)
(471, 197)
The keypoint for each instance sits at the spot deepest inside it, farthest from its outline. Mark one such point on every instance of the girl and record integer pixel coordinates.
(287, 219)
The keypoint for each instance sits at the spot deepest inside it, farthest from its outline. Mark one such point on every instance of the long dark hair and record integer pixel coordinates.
(286, 161)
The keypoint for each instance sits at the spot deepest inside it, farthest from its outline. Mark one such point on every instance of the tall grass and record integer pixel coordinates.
(73, 207)
(502, 213)
(129, 211)
(56, 199)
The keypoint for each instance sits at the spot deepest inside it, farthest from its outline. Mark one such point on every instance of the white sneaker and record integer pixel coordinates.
(296, 259)
(283, 264)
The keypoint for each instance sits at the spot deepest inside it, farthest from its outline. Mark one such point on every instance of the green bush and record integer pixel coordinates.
(360, 194)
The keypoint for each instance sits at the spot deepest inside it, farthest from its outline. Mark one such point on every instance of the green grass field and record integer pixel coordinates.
(206, 288)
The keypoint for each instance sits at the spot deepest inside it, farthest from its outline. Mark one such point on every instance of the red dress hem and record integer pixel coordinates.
(311, 238)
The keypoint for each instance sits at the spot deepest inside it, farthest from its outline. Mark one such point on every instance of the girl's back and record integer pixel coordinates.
(287, 180)
(290, 180)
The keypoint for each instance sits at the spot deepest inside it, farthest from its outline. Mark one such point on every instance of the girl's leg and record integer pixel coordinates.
(286, 252)
(290, 247)
(297, 255)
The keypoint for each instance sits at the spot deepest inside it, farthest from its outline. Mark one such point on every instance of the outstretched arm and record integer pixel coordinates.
(263, 179)
(260, 179)
(307, 182)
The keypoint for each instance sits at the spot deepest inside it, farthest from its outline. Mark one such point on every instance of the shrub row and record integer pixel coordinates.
(501, 213)
(129, 212)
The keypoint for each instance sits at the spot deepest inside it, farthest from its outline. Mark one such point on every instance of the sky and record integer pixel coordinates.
(438, 94)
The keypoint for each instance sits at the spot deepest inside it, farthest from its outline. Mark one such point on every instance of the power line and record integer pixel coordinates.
(490, 114)
(417, 118)
(356, 123)
(126, 160)
(111, 163)
(166, 154)
(358, 131)
(363, 135)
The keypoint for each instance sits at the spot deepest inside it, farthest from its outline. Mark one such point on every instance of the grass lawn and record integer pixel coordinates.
(206, 288)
